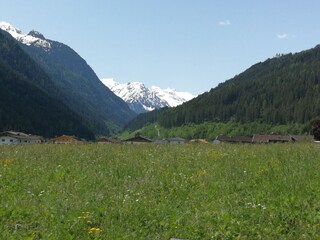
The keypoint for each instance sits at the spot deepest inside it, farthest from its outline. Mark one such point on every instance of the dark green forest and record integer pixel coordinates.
(81, 90)
(281, 90)
(29, 100)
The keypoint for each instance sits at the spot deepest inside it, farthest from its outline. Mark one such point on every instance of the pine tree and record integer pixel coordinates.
(315, 128)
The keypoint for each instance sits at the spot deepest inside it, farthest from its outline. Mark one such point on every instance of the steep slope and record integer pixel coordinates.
(28, 98)
(280, 90)
(142, 99)
(80, 88)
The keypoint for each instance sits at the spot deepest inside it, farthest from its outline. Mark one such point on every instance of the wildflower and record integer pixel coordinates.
(94, 230)
(7, 162)
(253, 205)
(84, 215)
(41, 193)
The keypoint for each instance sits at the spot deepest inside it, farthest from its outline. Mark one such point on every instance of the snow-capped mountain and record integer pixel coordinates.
(32, 38)
(143, 99)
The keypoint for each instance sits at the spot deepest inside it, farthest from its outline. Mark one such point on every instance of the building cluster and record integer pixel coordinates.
(12, 138)
(258, 138)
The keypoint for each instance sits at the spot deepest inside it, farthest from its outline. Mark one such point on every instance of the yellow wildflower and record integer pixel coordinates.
(7, 161)
(94, 230)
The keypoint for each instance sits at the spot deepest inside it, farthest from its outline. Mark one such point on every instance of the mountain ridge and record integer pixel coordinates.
(80, 88)
(29, 101)
(281, 90)
(142, 99)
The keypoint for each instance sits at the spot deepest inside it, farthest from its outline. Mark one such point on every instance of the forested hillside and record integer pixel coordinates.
(29, 102)
(81, 89)
(281, 90)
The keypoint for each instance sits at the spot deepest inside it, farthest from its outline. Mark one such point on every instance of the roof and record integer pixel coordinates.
(21, 135)
(223, 138)
(67, 137)
(108, 140)
(257, 138)
(138, 139)
(235, 139)
(272, 138)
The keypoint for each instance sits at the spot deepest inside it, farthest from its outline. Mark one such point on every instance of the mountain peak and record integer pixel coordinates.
(33, 38)
(143, 99)
(5, 26)
(36, 34)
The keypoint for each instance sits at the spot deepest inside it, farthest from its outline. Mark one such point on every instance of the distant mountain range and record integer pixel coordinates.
(46, 88)
(281, 90)
(73, 82)
(143, 99)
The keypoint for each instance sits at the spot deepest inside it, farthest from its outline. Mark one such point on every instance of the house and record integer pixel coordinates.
(138, 140)
(106, 140)
(233, 139)
(273, 138)
(11, 137)
(65, 139)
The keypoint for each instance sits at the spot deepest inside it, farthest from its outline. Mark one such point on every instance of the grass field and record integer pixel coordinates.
(160, 192)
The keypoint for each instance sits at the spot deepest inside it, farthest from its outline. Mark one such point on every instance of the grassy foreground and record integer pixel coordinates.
(160, 192)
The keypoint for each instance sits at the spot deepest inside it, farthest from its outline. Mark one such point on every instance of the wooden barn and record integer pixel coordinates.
(138, 140)
(273, 138)
(233, 139)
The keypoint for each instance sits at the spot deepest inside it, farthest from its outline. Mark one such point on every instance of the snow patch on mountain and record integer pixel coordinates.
(172, 96)
(143, 99)
(33, 38)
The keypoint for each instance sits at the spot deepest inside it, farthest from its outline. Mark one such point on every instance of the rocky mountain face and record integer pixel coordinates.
(143, 99)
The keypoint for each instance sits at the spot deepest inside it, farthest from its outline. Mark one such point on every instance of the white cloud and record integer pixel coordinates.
(285, 35)
(282, 36)
(225, 23)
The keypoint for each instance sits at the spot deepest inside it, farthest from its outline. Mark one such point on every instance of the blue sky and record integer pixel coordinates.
(188, 45)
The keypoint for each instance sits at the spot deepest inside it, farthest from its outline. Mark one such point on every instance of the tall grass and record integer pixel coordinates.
(160, 192)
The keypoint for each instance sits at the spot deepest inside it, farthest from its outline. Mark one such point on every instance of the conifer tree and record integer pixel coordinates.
(315, 128)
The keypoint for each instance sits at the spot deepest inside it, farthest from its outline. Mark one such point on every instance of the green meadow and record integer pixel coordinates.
(160, 192)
